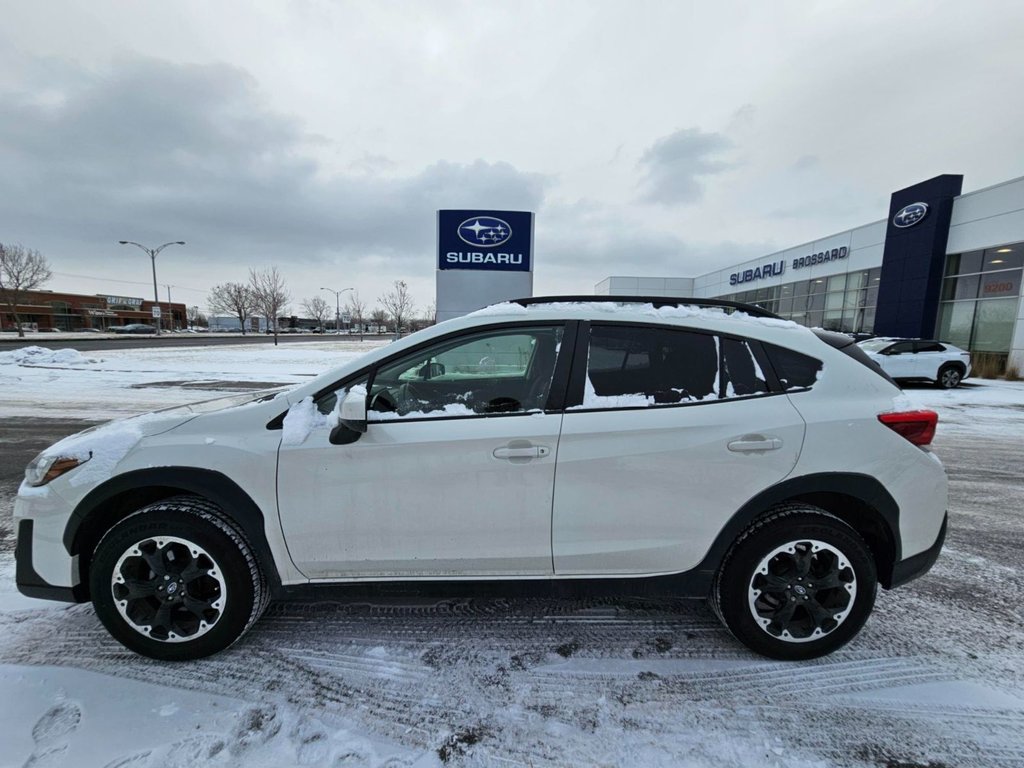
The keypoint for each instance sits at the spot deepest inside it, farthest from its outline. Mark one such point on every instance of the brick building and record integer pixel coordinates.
(42, 310)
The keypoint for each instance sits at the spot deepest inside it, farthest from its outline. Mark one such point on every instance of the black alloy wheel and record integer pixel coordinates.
(176, 580)
(797, 584)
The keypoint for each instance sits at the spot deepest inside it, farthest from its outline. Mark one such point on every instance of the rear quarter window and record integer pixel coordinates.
(794, 370)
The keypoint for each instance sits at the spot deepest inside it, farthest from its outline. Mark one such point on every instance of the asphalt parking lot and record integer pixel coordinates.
(934, 680)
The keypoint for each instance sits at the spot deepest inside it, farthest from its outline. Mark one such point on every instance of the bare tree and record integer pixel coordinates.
(379, 318)
(270, 295)
(233, 299)
(356, 309)
(398, 304)
(21, 270)
(197, 319)
(318, 309)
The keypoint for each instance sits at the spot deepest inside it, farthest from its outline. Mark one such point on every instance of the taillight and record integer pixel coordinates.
(917, 426)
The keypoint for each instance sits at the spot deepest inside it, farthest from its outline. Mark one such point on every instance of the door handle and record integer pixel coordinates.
(755, 444)
(521, 452)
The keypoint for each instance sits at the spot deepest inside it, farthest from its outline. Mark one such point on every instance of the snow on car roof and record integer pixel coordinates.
(629, 306)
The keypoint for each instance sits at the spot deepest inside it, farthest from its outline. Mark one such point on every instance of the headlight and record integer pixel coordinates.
(42, 469)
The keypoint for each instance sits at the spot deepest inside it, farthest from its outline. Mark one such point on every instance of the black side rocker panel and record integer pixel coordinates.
(216, 487)
(30, 583)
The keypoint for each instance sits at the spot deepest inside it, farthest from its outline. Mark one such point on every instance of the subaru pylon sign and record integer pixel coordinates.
(497, 241)
(483, 257)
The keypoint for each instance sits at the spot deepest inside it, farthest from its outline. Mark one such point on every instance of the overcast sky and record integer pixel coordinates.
(650, 138)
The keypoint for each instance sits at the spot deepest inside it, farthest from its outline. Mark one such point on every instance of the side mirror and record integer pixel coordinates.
(351, 413)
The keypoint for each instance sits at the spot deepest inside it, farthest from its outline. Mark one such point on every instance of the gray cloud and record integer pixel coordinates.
(674, 164)
(804, 162)
(155, 149)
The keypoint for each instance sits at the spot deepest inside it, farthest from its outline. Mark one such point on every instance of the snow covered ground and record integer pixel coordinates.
(38, 381)
(935, 679)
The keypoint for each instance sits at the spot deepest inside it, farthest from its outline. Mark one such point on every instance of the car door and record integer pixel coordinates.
(900, 360)
(453, 476)
(673, 431)
(929, 357)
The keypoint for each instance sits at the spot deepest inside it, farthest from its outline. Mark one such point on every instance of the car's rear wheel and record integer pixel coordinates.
(176, 580)
(949, 376)
(798, 584)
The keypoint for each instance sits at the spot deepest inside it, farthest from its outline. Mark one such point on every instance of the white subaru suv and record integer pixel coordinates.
(920, 359)
(571, 444)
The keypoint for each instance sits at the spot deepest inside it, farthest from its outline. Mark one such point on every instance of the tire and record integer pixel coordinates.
(176, 580)
(949, 376)
(780, 557)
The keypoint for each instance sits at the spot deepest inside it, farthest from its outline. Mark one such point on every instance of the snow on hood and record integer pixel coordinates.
(101, 448)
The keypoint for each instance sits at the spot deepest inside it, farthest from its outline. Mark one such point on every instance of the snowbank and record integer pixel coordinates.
(43, 356)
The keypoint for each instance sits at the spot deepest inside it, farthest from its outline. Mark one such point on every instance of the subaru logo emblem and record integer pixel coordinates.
(909, 215)
(484, 231)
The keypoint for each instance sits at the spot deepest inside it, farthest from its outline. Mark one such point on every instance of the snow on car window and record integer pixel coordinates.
(631, 366)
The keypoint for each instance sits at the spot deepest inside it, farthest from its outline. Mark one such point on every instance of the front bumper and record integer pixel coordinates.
(921, 563)
(29, 582)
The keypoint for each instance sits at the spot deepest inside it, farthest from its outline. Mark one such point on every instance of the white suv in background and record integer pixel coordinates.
(920, 359)
(647, 446)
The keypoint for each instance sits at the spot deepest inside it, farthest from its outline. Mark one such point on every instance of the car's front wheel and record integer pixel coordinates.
(798, 584)
(176, 580)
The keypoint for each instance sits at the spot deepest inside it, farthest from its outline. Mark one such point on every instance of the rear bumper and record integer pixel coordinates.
(29, 582)
(921, 563)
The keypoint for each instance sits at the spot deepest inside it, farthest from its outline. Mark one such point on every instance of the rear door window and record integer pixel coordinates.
(640, 366)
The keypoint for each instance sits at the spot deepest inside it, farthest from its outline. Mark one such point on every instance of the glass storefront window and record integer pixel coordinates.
(1000, 285)
(816, 302)
(964, 263)
(817, 286)
(958, 288)
(801, 288)
(1005, 257)
(868, 323)
(785, 291)
(993, 325)
(785, 306)
(854, 299)
(813, 318)
(833, 321)
(955, 321)
(834, 301)
(857, 280)
(837, 283)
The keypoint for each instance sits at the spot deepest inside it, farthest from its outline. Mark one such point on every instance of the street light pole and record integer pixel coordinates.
(152, 257)
(337, 306)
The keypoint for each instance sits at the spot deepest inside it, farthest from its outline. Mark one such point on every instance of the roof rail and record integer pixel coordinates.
(658, 301)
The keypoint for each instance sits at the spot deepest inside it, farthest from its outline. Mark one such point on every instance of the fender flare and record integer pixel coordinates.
(866, 490)
(163, 482)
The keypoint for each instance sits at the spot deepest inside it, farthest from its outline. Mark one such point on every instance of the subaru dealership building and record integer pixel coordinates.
(941, 265)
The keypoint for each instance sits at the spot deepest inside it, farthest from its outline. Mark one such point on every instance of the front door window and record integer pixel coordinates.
(498, 372)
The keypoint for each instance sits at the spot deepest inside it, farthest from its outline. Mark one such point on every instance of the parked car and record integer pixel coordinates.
(133, 328)
(920, 360)
(735, 457)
